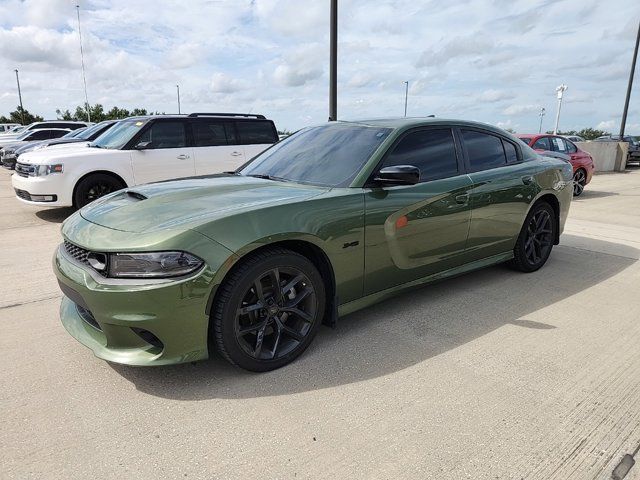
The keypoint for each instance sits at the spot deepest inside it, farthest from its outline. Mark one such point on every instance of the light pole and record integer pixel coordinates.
(406, 96)
(333, 63)
(20, 98)
(541, 115)
(626, 101)
(178, 89)
(559, 90)
(84, 78)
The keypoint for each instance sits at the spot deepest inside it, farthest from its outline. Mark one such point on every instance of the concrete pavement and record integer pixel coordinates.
(496, 374)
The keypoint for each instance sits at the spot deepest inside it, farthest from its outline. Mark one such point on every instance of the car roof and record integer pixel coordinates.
(411, 122)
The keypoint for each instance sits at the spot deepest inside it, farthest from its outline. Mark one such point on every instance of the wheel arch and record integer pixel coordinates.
(96, 172)
(308, 249)
(552, 200)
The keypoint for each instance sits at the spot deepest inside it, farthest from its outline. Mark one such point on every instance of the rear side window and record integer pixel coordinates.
(510, 152)
(432, 151)
(559, 145)
(209, 134)
(571, 148)
(484, 150)
(256, 132)
(542, 144)
(57, 133)
(165, 135)
(39, 135)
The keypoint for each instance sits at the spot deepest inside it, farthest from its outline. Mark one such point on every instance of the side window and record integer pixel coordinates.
(165, 135)
(484, 150)
(559, 145)
(542, 144)
(432, 151)
(571, 148)
(256, 132)
(209, 134)
(510, 152)
(39, 135)
(57, 133)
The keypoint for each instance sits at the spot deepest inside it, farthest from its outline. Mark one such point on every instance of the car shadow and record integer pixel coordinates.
(589, 194)
(401, 332)
(55, 215)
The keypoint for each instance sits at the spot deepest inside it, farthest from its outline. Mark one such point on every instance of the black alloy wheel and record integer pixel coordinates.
(579, 182)
(93, 187)
(268, 310)
(536, 238)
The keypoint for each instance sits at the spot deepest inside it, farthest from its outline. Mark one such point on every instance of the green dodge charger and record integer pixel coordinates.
(330, 220)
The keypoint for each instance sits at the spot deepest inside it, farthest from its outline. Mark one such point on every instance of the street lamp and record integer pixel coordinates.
(626, 100)
(178, 89)
(333, 62)
(541, 115)
(559, 90)
(20, 97)
(406, 96)
(84, 78)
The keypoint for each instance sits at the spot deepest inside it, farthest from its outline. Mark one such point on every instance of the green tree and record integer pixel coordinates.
(17, 117)
(586, 133)
(98, 114)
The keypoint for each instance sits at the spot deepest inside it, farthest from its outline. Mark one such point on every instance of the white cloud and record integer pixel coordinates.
(521, 109)
(495, 96)
(606, 125)
(223, 83)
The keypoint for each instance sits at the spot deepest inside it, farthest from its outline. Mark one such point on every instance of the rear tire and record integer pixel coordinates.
(94, 186)
(536, 239)
(579, 182)
(259, 327)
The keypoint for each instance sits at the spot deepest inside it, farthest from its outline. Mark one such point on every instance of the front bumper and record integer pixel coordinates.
(28, 188)
(114, 318)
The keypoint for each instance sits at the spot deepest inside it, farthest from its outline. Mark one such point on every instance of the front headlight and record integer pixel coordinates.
(146, 265)
(41, 170)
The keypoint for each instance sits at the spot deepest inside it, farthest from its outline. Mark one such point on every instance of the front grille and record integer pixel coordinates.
(24, 169)
(79, 253)
(23, 194)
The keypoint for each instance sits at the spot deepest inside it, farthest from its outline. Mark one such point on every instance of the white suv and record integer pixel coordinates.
(141, 150)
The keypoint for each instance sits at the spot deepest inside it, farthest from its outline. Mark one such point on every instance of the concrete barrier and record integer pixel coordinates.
(607, 156)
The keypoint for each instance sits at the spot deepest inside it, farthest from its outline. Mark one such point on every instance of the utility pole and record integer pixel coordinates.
(178, 88)
(559, 90)
(20, 97)
(626, 101)
(541, 114)
(84, 78)
(406, 96)
(333, 63)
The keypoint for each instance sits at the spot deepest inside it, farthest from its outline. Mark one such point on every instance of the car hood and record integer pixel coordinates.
(13, 146)
(66, 151)
(189, 203)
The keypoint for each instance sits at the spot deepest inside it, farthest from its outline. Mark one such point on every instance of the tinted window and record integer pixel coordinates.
(331, 154)
(256, 132)
(484, 150)
(432, 151)
(526, 140)
(542, 144)
(571, 148)
(38, 135)
(165, 135)
(510, 152)
(57, 133)
(209, 133)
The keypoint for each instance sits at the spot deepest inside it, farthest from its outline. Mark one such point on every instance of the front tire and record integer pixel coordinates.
(268, 311)
(94, 186)
(536, 239)
(579, 182)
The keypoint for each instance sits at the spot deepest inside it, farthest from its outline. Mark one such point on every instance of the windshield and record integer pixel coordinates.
(118, 136)
(74, 133)
(328, 155)
(85, 134)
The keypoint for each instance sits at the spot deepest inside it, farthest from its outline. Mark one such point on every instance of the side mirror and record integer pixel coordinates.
(143, 146)
(398, 175)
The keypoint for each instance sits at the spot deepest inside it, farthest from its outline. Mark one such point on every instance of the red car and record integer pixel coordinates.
(582, 162)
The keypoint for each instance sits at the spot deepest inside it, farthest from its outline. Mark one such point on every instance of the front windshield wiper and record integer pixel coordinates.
(268, 177)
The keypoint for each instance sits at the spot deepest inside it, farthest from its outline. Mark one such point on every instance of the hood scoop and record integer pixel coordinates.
(135, 195)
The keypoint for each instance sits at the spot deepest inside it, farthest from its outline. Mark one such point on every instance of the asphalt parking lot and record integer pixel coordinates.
(495, 374)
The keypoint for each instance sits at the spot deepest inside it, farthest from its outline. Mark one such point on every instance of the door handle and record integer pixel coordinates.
(235, 154)
(527, 179)
(462, 199)
(182, 157)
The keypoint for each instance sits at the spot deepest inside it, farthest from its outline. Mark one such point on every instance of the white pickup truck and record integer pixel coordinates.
(141, 150)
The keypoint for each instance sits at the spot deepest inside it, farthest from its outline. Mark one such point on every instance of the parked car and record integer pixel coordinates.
(329, 220)
(583, 166)
(28, 137)
(634, 145)
(574, 138)
(68, 125)
(141, 150)
(8, 152)
(14, 130)
(7, 127)
(9, 155)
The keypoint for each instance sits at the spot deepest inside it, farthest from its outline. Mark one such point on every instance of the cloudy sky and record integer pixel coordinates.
(496, 61)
